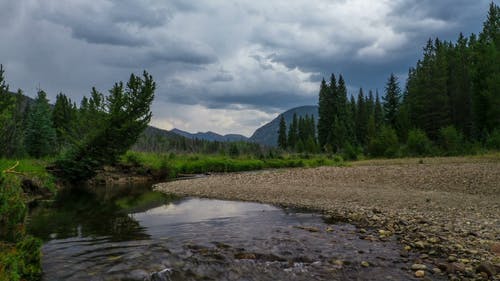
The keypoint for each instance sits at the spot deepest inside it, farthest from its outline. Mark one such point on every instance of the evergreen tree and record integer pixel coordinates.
(391, 101)
(127, 113)
(378, 113)
(63, 119)
(486, 81)
(361, 118)
(282, 142)
(293, 132)
(324, 114)
(11, 119)
(40, 133)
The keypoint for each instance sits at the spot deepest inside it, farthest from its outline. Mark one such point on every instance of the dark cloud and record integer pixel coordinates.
(259, 56)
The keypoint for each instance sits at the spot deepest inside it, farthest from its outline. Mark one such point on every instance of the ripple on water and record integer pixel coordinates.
(202, 239)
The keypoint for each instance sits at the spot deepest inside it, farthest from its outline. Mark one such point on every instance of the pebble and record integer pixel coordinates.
(419, 273)
(365, 264)
(486, 268)
(418, 266)
(420, 244)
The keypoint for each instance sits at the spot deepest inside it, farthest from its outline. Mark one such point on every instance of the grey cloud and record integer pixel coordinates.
(198, 51)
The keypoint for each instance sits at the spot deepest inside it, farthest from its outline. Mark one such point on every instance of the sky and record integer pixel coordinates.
(223, 66)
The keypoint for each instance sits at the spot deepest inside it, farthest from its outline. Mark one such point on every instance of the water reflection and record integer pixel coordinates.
(94, 212)
(131, 233)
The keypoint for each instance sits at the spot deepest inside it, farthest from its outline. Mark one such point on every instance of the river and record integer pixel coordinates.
(133, 233)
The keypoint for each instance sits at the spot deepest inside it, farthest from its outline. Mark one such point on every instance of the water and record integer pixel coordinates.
(132, 233)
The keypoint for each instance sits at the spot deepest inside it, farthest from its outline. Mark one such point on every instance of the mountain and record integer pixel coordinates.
(210, 136)
(268, 134)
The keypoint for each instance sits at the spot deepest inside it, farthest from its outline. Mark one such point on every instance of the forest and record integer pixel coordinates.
(448, 105)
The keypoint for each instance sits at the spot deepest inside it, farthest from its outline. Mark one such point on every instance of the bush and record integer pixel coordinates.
(418, 144)
(20, 257)
(493, 141)
(351, 152)
(384, 144)
(451, 141)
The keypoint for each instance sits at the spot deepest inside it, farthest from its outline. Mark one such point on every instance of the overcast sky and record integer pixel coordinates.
(224, 66)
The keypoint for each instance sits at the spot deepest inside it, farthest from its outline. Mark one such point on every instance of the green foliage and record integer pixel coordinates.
(20, 256)
(40, 133)
(451, 141)
(125, 115)
(385, 144)
(199, 163)
(493, 141)
(392, 101)
(418, 144)
(12, 210)
(282, 142)
(351, 152)
(64, 118)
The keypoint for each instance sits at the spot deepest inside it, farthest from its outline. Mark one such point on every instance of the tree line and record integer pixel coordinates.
(83, 138)
(301, 134)
(449, 105)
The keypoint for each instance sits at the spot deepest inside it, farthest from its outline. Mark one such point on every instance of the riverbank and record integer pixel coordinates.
(445, 209)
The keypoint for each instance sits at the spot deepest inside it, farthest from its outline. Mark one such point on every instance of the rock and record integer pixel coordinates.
(420, 244)
(419, 273)
(457, 267)
(495, 249)
(338, 263)
(365, 264)
(433, 240)
(137, 275)
(245, 256)
(452, 258)
(418, 266)
(486, 268)
(436, 270)
(308, 228)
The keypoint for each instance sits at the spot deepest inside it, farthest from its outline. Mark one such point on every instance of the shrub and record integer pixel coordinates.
(384, 144)
(418, 144)
(493, 141)
(451, 141)
(20, 257)
(351, 152)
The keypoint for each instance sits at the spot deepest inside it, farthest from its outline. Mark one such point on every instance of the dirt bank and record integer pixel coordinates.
(447, 209)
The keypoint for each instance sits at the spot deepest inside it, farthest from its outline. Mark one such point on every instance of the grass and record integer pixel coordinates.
(197, 163)
(491, 156)
(30, 168)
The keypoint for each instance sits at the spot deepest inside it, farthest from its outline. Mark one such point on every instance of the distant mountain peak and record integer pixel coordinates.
(210, 136)
(268, 134)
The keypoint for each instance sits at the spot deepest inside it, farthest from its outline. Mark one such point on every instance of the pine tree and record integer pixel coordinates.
(282, 142)
(486, 81)
(324, 114)
(63, 119)
(127, 113)
(293, 132)
(391, 101)
(40, 133)
(378, 112)
(361, 118)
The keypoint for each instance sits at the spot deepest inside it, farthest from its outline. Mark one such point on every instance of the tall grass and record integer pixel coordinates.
(34, 169)
(200, 163)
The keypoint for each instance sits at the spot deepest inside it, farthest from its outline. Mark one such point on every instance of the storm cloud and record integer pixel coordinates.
(225, 66)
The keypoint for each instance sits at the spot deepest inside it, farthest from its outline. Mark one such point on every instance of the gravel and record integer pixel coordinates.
(445, 209)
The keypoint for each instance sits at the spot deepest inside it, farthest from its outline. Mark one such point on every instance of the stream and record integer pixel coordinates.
(133, 233)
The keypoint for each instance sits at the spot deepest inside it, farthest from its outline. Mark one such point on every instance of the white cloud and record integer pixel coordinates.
(219, 65)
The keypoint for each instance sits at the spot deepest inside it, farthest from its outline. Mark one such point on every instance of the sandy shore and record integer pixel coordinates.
(446, 209)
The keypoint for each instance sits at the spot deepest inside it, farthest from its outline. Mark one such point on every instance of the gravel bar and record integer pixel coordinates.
(445, 209)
